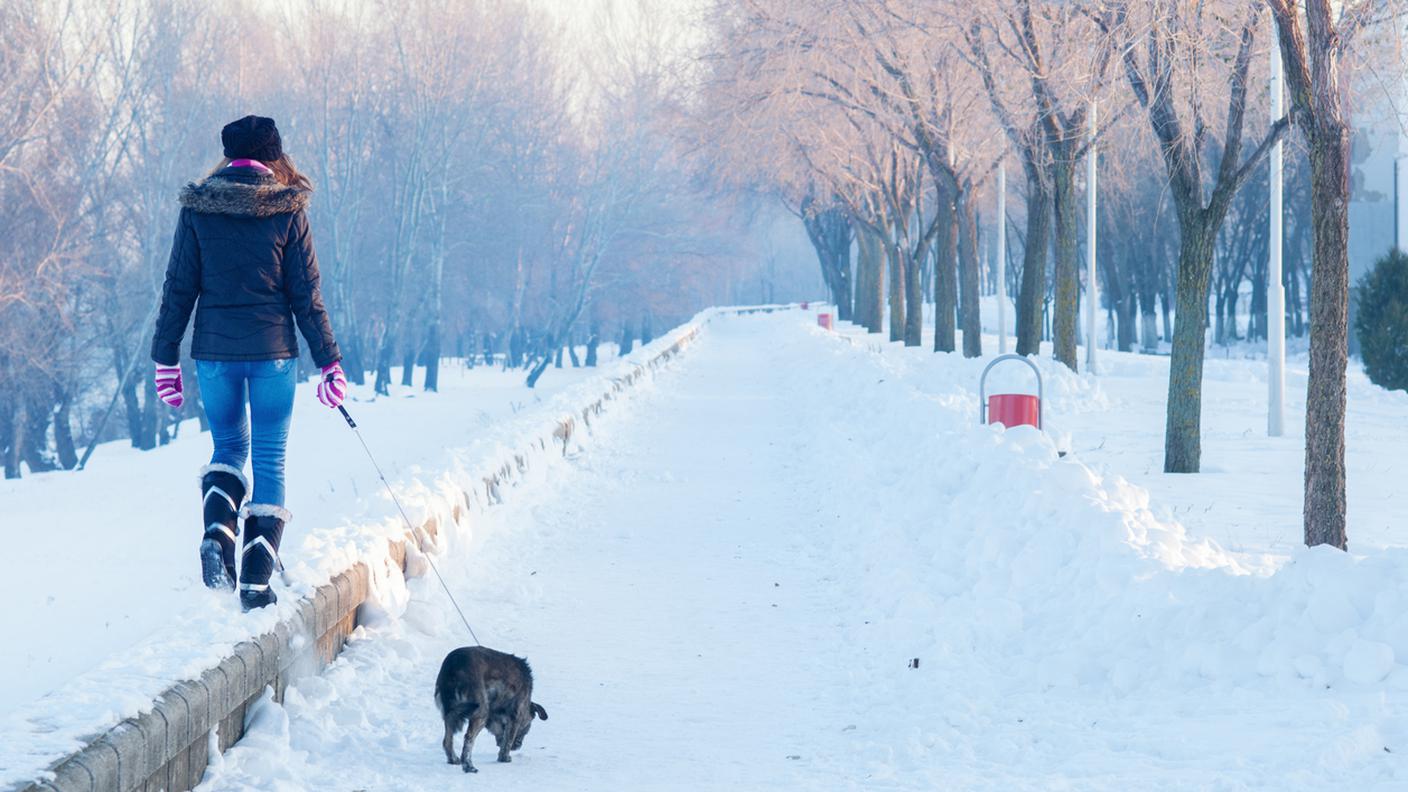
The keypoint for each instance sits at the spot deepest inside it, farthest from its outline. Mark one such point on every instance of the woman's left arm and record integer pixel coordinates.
(305, 297)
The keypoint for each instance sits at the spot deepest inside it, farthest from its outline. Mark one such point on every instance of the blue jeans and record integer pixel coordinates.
(266, 387)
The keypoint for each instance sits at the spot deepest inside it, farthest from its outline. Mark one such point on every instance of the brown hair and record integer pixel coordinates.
(283, 168)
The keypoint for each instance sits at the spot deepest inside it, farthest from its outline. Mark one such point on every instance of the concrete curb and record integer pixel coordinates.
(167, 746)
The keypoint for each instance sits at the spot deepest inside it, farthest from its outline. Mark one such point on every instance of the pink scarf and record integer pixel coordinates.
(249, 163)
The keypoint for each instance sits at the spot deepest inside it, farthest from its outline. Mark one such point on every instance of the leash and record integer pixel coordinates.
(410, 529)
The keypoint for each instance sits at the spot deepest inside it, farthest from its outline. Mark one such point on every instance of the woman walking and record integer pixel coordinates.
(243, 259)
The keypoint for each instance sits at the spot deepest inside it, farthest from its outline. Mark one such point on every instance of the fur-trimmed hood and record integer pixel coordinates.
(247, 194)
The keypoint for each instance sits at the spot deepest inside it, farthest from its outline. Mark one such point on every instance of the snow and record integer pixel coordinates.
(727, 587)
(108, 597)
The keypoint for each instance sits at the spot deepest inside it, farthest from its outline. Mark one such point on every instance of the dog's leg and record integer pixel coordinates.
(476, 723)
(510, 734)
(449, 742)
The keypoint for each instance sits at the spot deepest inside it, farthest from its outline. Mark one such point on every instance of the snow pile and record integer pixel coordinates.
(998, 554)
(1075, 563)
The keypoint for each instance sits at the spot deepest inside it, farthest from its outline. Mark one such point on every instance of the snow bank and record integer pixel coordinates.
(1070, 570)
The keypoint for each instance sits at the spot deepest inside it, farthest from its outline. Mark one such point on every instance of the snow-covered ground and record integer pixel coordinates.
(103, 604)
(1248, 495)
(728, 587)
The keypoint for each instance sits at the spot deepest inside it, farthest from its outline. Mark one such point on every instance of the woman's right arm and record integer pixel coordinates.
(178, 295)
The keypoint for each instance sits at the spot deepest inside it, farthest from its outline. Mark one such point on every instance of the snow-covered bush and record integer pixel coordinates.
(1382, 321)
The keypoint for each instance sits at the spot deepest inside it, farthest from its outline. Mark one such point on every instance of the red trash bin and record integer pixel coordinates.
(823, 320)
(1010, 409)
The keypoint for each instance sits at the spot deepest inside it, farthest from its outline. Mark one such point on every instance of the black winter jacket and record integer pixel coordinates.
(243, 258)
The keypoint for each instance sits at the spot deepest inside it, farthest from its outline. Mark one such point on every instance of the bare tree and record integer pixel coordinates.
(1313, 42)
(1179, 44)
(1063, 59)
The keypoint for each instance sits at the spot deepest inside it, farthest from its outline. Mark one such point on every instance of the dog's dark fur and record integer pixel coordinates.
(485, 689)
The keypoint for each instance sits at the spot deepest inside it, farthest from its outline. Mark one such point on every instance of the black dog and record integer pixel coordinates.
(485, 689)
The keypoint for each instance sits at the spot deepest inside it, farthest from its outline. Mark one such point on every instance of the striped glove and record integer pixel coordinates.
(333, 389)
(168, 385)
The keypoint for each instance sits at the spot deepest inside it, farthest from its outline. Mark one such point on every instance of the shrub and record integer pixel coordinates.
(1381, 322)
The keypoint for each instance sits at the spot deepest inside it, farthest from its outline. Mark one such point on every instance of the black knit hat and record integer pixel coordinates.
(252, 137)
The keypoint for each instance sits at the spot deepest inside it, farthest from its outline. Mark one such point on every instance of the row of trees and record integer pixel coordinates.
(883, 122)
(484, 185)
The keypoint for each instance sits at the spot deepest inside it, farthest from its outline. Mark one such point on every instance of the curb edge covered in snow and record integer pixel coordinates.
(167, 746)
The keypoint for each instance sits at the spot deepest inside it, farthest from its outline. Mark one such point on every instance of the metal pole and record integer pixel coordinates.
(1092, 287)
(1275, 290)
(1002, 258)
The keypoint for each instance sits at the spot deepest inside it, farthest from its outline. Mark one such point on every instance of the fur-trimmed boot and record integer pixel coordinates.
(263, 530)
(222, 490)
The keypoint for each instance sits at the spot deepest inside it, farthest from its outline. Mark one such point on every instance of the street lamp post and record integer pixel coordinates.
(1092, 287)
(1275, 290)
(1002, 258)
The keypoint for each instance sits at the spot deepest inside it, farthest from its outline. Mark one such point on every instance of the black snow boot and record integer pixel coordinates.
(260, 557)
(222, 490)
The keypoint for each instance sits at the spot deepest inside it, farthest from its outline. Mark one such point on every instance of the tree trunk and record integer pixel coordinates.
(1329, 337)
(1219, 332)
(538, 368)
(1182, 431)
(132, 406)
(945, 272)
(627, 340)
(1165, 305)
(913, 299)
(11, 421)
(408, 365)
(432, 357)
(870, 277)
(897, 284)
(146, 438)
(1232, 297)
(1296, 301)
(1033, 292)
(1258, 321)
(968, 273)
(63, 432)
(843, 295)
(35, 434)
(383, 366)
(1066, 309)
(1149, 335)
(1127, 333)
(353, 364)
(830, 234)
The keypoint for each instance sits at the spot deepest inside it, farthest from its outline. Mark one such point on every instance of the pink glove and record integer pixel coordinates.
(168, 385)
(333, 389)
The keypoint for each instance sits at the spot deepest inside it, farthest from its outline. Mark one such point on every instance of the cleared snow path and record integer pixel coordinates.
(724, 589)
(680, 622)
